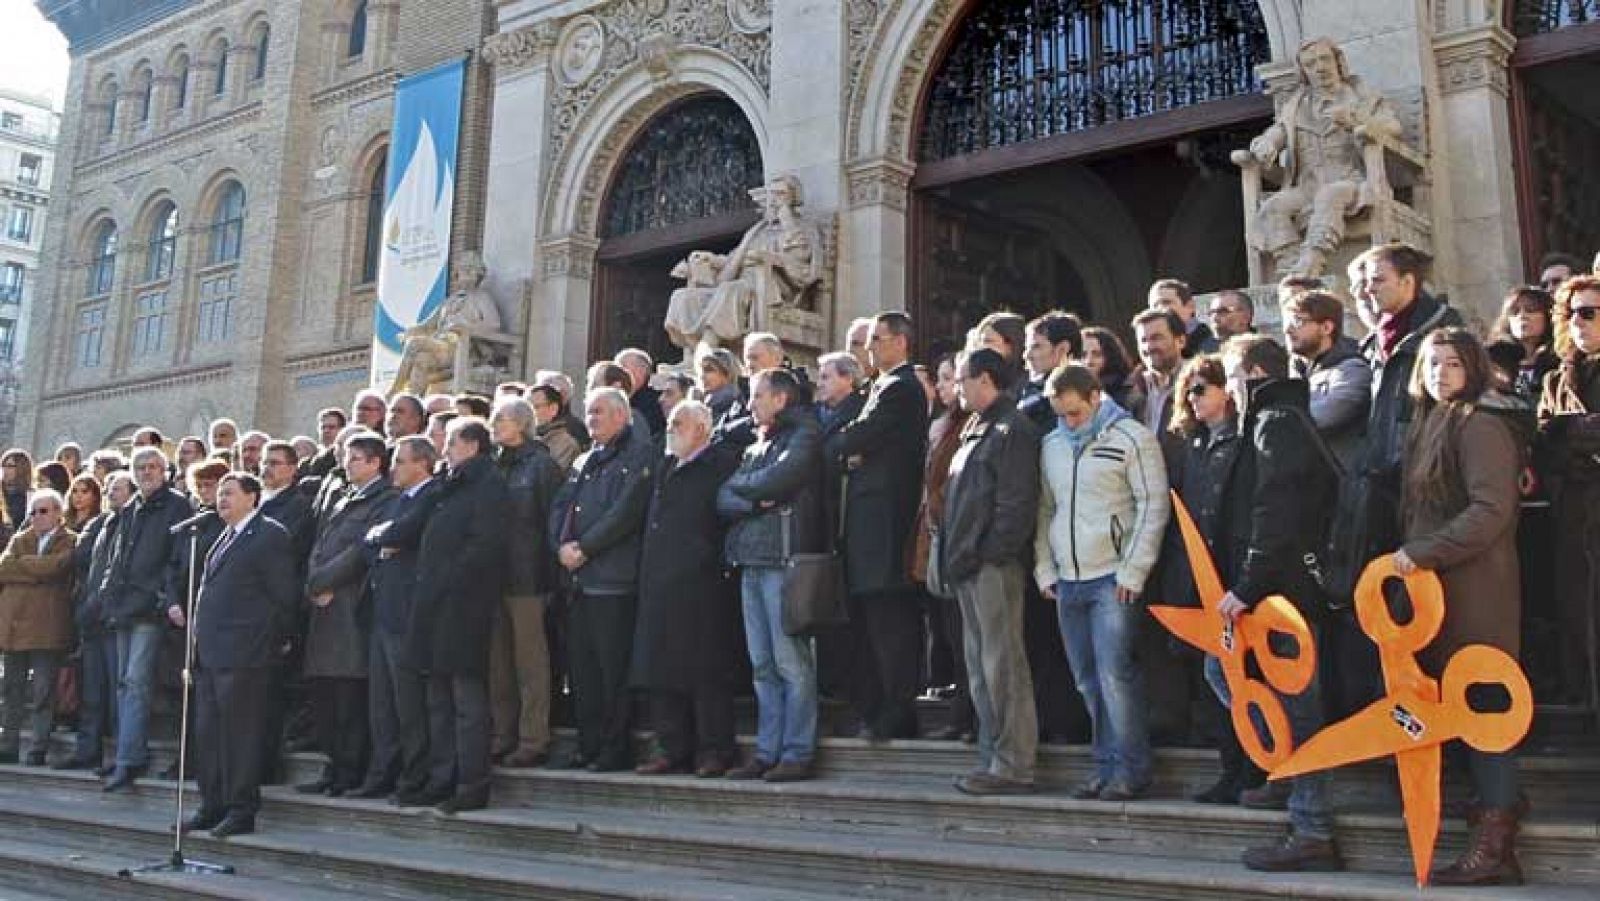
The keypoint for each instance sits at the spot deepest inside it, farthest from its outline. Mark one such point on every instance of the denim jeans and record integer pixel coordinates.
(1309, 813)
(137, 646)
(785, 671)
(1099, 634)
(98, 680)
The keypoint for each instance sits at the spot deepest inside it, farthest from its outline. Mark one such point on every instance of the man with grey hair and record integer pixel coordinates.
(369, 411)
(563, 384)
(251, 447)
(519, 649)
(35, 623)
(134, 602)
(223, 434)
(645, 399)
(595, 526)
(762, 350)
(839, 402)
(856, 340)
(683, 643)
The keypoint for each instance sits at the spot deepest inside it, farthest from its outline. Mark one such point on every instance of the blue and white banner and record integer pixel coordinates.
(414, 270)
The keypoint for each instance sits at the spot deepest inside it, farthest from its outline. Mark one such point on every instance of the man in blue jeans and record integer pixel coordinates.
(774, 503)
(1102, 510)
(132, 597)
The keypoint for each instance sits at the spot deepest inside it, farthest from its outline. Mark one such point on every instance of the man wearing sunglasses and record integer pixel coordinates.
(35, 622)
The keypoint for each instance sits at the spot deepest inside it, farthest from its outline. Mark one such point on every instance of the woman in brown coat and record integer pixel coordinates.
(35, 621)
(1461, 501)
(1569, 432)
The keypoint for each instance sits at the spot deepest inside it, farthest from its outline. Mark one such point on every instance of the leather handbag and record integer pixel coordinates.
(934, 579)
(813, 587)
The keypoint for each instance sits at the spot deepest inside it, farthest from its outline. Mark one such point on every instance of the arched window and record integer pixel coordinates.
(163, 244)
(109, 95)
(227, 226)
(262, 41)
(102, 260)
(372, 246)
(358, 31)
(180, 83)
(145, 84)
(220, 86)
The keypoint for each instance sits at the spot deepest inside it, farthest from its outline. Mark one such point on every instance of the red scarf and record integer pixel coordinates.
(1393, 328)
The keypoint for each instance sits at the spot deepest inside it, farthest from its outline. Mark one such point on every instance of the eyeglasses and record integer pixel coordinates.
(1587, 314)
(1222, 311)
(40, 512)
(1198, 389)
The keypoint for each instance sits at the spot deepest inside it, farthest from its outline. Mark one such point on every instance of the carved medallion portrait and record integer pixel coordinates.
(580, 49)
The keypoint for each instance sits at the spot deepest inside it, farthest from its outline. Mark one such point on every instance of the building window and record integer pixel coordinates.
(220, 86)
(372, 246)
(90, 336)
(28, 169)
(8, 339)
(12, 280)
(11, 121)
(180, 76)
(227, 226)
(216, 307)
(262, 42)
(103, 262)
(358, 32)
(163, 245)
(20, 226)
(149, 323)
(147, 93)
(111, 111)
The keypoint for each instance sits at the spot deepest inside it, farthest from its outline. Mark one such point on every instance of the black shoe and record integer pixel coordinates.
(369, 790)
(319, 787)
(34, 758)
(9, 758)
(1225, 791)
(74, 763)
(948, 733)
(121, 778)
(170, 774)
(607, 763)
(1090, 791)
(105, 769)
(234, 824)
(201, 822)
(570, 762)
(461, 803)
(427, 797)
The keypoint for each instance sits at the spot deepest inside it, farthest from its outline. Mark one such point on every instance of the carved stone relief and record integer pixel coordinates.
(579, 52)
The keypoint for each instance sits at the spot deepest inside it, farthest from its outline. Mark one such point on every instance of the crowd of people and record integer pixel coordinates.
(421, 590)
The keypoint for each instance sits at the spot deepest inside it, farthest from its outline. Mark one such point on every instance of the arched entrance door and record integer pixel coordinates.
(682, 186)
(1070, 151)
(1557, 122)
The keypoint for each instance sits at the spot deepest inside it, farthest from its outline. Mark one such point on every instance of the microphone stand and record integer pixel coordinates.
(177, 863)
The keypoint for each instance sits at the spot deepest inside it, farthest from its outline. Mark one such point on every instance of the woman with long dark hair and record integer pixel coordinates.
(1108, 358)
(1527, 317)
(84, 502)
(1460, 508)
(1006, 334)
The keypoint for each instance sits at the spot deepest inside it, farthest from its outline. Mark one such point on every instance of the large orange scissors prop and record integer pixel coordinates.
(1232, 643)
(1419, 713)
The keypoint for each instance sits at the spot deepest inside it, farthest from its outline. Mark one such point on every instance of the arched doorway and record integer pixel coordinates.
(682, 185)
(1062, 145)
(1557, 125)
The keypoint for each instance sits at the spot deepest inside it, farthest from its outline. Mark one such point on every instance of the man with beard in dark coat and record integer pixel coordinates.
(883, 451)
(687, 618)
(460, 576)
(595, 526)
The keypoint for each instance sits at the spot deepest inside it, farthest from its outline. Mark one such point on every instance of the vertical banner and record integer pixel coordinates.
(413, 270)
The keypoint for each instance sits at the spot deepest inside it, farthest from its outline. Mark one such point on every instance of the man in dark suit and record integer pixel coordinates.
(883, 452)
(247, 592)
(284, 501)
(397, 702)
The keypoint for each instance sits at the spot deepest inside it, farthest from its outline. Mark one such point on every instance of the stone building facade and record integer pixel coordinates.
(213, 251)
(949, 168)
(28, 127)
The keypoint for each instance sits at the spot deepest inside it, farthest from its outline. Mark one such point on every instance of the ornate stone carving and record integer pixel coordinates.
(569, 257)
(656, 52)
(579, 52)
(520, 48)
(1474, 58)
(778, 264)
(462, 336)
(628, 26)
(750, 16)
(1328, 150)
(879, 183)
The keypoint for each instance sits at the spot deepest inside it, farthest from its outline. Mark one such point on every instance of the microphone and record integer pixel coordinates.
(192, 522)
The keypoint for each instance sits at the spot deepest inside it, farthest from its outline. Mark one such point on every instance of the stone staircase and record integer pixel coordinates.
(881, 822)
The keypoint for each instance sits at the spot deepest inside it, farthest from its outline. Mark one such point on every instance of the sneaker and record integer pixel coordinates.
(754, 768)
(1294, 854)
(789, 771)
(990, 784)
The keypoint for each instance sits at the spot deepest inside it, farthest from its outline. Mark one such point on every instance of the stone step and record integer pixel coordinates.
(848, 842)
(326, 856)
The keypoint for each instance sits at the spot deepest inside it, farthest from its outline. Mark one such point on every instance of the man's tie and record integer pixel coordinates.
(220, 548)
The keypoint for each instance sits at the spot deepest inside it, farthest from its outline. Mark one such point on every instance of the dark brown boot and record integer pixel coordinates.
(1296, 854)
(1491, 855)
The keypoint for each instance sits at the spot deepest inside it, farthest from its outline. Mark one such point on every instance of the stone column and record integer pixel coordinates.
(874, 229)
(1476, 165)
(382, 18)
(558, 333)
(241, 59)
(518, 158)
(335, 41)
(804, 120)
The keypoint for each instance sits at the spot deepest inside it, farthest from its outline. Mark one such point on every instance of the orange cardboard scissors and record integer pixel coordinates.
(1419, 713)
(1231, 643)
